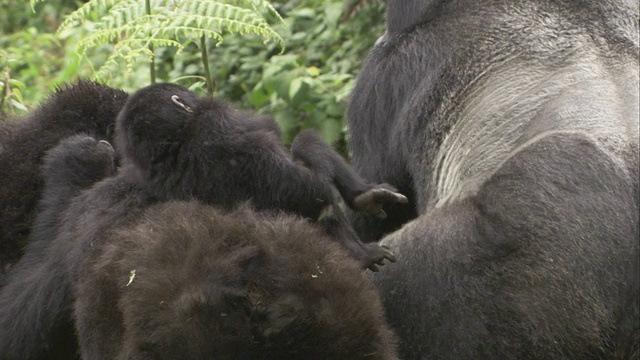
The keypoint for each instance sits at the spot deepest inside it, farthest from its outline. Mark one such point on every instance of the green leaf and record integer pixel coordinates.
(313, 71)
(330, 130)
(332, 13)
(294, 87)
(258, 97)
(169, 24)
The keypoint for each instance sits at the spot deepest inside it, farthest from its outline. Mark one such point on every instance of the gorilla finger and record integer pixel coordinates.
(379, 213)
(401, 199)
(373, 268)
(390, 197)
(389, 255)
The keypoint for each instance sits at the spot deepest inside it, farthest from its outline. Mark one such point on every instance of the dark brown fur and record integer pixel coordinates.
(189, 282)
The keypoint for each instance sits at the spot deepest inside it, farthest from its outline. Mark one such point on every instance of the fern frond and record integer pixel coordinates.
(129, 51)
(123, 13)
(255, 6)
(97, 38)
(83, 13)
(211, 8)
(196, 24)
(199, 11)
(33, 3)
(261, 6)
(191, 32)
(171, 23)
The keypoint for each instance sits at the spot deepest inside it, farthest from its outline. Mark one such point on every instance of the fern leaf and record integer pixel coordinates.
(171, 22)
(191, 32)
(182, 25)
(33, 4)
(83, 13)
(261, 6)
(119, 17)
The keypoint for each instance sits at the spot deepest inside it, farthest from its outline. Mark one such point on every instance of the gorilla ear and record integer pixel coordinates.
(178, 102)
(106, 144)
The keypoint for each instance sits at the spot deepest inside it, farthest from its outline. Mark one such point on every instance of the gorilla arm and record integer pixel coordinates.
(358, 194)
(305, 189)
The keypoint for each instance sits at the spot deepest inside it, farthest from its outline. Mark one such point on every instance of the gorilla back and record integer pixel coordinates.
(513, 127)
(83, 107)
(188, 281)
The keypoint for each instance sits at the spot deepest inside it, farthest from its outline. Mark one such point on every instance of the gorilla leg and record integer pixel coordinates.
(334, 222)
(359, 195)
(527, 268)
(35, 311)
(308, 148)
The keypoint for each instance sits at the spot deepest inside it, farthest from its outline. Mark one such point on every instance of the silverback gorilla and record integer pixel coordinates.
(175, 146)
(190, 282)
(513, 128)
(84, 107)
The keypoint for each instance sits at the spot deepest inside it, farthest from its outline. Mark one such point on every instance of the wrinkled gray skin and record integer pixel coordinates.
(513, 128)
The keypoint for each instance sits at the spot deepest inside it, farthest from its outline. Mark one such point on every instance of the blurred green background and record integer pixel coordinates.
(306, 86)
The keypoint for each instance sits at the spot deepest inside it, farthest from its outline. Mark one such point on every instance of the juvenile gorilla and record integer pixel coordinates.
(241, 158)
(189, 282)
(75, 164)
(175, 146)
(84, 107)
(512, 126)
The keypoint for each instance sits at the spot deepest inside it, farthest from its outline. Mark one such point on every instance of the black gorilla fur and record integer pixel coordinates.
(75, 164)
(84, 107)
(241, 158)
(513, 128)
(174, 146)
(189, 282)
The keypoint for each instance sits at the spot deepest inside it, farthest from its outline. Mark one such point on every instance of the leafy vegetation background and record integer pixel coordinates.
(306, 86)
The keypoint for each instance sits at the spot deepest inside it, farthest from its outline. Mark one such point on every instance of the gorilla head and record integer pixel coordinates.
(155, 122)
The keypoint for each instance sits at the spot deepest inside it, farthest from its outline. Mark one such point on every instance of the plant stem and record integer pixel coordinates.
(152, 66)
(205, 61)
(5, 90)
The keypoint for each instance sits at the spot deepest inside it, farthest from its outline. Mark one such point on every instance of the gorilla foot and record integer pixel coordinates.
(373, 255)
(370, 255)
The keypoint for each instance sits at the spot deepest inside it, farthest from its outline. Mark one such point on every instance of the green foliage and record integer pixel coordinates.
(31, 65)
(11, 93)
(18, 14)
(138, 27)
(305, 87)
(308, 86)
(32, 60)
